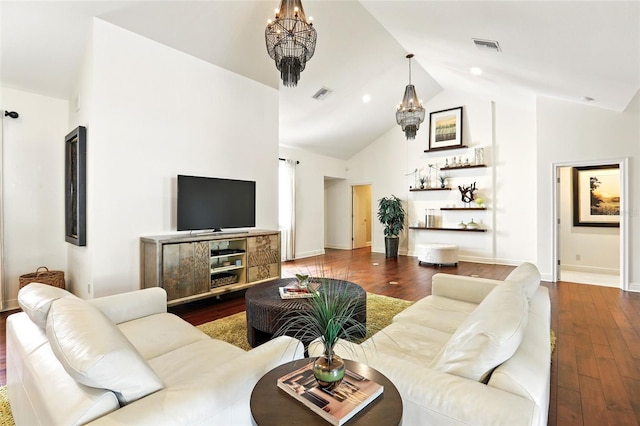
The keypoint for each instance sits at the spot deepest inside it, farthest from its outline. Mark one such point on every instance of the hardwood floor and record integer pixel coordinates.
(595, 371)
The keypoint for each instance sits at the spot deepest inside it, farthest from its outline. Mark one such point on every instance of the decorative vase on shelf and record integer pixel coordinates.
(328, 369)
(472, 225)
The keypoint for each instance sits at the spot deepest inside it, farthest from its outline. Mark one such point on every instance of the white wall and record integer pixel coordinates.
(569, 132)
(586, 249)
(382, 164)
(33, 186)
(156, 113)
(506, 132)
(310, 199)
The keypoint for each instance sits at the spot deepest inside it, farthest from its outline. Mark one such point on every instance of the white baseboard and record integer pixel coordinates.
(337, 247)
(635, 287)
(590, 269)
(309, 254)
(11, 305)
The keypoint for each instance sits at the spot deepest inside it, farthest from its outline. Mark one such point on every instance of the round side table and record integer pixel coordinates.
(271, 406)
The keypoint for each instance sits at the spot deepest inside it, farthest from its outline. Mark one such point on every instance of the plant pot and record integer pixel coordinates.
(391, 246)
(328, 372)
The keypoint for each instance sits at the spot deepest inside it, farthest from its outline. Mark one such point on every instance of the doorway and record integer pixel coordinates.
(361, 217)
(594, 255)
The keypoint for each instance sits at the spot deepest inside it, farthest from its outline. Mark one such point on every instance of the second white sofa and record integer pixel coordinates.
(475, 352)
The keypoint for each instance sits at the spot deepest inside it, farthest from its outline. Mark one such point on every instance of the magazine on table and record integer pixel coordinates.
(337, 406)
(295, 292)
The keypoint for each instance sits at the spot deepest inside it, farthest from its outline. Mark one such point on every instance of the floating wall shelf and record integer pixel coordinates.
(446, 148)
(463, 208)
(429, 189)
(474, 166)
(422, 228)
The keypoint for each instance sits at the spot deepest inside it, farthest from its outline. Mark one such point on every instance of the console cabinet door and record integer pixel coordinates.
(185, 269)
(263, 257)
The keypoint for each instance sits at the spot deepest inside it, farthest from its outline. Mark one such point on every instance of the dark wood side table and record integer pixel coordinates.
(266, 310)
(271, 406)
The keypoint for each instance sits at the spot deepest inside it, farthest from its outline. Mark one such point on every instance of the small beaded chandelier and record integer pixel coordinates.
(291, 40)
(410, 112)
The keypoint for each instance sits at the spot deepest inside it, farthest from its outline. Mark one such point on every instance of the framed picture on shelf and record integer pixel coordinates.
(445, 129)
(75, 219)
(596, 196)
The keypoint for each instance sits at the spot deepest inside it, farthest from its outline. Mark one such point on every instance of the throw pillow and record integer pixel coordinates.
(488, 336)
(93, 350)
(35, 299)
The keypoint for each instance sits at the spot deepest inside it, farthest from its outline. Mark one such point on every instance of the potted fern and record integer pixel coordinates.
(333, 313)
(391, 214)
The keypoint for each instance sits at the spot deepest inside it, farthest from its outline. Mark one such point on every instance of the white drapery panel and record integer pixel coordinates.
(287, 208)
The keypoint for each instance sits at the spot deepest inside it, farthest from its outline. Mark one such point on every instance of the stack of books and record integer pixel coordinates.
(294, 292)
(337, 406)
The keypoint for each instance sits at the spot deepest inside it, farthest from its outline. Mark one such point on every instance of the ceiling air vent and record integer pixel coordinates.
(321, 94)
(487, 45)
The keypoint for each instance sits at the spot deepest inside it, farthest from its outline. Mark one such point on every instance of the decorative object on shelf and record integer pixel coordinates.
(479, 201)
(479, 156)
(291, 40)
(462, 225)
(75, 205)
(431, 220)
(467, 193)
(333, 314)
(472, 225)
(596, 196)
(415, 174)
(443, 180)
(391, 214)
(445, 129)
(410, 113)
(423, 181)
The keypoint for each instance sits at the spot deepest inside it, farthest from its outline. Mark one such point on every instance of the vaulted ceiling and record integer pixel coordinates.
(570, 50)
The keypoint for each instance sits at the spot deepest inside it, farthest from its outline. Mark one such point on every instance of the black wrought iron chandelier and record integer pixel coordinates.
(291, 40)
(410, 112)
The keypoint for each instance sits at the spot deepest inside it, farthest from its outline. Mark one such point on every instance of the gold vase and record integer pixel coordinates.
(328, 371)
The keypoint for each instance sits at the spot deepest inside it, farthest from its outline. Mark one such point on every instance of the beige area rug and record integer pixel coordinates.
(233, 329)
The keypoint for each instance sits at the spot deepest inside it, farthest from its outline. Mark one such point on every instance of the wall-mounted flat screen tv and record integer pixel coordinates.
(206, 203)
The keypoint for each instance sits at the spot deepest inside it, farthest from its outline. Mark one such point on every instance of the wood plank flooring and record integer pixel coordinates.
(595, 371)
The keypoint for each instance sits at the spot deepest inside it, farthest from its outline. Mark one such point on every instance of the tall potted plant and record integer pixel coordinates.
(391, 214)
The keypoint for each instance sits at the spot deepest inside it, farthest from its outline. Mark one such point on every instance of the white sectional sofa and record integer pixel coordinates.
(475, 352)
(124, 360)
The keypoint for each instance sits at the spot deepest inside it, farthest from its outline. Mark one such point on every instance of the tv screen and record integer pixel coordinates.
(206, 203)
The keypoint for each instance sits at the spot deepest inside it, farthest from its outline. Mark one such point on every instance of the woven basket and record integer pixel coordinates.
(54, 278)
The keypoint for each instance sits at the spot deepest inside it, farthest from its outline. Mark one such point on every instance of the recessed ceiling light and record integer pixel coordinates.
(475, 71)
(366, 99)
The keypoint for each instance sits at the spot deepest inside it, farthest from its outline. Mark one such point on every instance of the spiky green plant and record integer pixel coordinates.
(332, 314)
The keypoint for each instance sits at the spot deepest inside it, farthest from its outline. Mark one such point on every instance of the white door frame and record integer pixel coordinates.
(624, 216)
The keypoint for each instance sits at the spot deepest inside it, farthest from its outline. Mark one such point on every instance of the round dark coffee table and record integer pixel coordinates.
(271, 406)
(266, 311)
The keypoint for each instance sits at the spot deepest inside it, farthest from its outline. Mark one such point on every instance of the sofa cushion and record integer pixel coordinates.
(35, 299)
(528, 276)
(437, 312)
(488, 336)
(95, 353)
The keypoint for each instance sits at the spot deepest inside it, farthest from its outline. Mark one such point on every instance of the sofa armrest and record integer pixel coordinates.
(128, 306)
(460, 287)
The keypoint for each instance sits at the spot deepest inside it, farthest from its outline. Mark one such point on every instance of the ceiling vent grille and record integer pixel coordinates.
(322, 93)
(487, 45)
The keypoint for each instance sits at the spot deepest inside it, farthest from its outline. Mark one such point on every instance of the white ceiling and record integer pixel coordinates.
(562, 49)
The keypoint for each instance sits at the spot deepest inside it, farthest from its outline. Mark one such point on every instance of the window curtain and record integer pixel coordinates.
(287, 209)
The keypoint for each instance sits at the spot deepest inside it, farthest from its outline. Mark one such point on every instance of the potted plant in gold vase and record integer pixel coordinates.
(333, 313)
